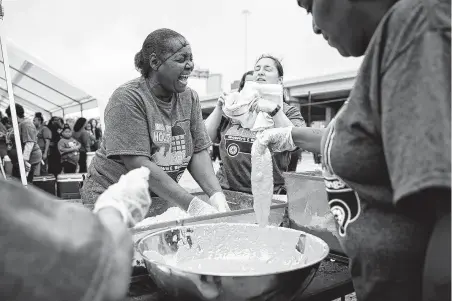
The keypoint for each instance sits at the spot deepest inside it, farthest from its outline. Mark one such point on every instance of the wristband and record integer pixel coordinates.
(275, 111)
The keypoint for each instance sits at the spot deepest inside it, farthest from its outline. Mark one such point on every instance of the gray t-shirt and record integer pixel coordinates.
(50, 250)
(44, 134)
(83, 138)
(235, 153)
(28, 133)
(71, 157)
(391, 140)
(139, 124)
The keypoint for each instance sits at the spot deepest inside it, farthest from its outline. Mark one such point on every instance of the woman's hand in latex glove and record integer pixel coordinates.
(198, 207)
(276, 139)
(263, 105)
(130, 196)
(218, 200)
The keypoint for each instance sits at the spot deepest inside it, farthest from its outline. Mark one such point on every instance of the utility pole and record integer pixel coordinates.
(246, 14)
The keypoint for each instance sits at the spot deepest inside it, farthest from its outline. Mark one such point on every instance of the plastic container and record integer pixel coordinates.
(68, 185)
(46, 183)
(308, 208)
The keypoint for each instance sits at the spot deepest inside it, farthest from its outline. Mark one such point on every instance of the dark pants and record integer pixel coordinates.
(3, 149)
(68, 167)
(82, 163)
(44, 168)
(54, 162)
(16, 172)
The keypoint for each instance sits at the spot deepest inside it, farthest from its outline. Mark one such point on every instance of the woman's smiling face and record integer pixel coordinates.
(176, 67)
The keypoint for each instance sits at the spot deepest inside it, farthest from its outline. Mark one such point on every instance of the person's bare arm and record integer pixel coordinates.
(281, 120)
(46, 149)
(213, 121)
(308, 138)
(201, 169)
(160, 182)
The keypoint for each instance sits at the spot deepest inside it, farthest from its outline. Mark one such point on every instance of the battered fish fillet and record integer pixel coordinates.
(261, 182)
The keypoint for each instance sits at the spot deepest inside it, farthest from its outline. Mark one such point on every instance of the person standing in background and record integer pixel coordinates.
(69, 150)
(82, 136)
(70, 122)
(3, 148)
(92, 137)
(31, 152)
(97, 132)
(246, 77)
(54, 157)
(44, 137)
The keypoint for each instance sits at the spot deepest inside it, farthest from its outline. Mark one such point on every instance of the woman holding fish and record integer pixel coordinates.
(236, 135)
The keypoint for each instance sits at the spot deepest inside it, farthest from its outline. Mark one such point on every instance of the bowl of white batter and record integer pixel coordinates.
(230, 261)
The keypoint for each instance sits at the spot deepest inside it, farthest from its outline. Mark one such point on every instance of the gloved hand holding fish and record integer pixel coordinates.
(276, 139)
(250, 108)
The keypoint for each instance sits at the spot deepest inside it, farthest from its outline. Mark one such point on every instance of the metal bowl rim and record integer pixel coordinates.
(326, 251)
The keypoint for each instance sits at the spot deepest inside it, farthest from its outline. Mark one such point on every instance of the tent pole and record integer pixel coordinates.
(12, 103)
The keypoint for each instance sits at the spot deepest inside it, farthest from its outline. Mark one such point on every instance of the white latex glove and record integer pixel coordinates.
(130, 196)
(198, 207)
(276, 139)
(218, 200)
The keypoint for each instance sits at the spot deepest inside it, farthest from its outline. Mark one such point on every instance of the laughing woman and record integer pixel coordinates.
(155, 121)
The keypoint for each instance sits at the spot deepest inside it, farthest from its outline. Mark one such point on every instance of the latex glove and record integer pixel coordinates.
(218, 200)
(130, 196)
(276, 139)
(198, 207)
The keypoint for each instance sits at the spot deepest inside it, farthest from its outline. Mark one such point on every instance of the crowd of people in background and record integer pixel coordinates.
(48, 147)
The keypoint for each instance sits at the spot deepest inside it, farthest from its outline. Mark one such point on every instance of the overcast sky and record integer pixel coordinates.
(93, 42)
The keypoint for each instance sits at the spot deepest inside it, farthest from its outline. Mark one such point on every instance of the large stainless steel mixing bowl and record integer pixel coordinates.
(281, 262)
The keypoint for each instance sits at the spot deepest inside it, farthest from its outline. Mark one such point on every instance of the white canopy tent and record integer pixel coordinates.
(25, 80)
(39, 90)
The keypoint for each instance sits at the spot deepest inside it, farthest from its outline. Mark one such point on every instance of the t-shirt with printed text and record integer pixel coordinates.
(139, 124)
